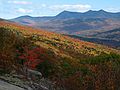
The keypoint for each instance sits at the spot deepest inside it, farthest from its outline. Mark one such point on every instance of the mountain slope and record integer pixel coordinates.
(109, 38)
(71, 64)
(114, 42)
(51, 36)
(111, 34)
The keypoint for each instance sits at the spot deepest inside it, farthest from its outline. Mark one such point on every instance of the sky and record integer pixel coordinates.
(15, 8)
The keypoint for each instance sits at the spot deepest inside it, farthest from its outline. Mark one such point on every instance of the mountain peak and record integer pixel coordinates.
(27, 16)
(103, 11)
(91, 11)
(65, 12)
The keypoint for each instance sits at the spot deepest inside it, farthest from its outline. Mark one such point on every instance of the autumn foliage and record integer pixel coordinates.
(71, 64)
(31, 57)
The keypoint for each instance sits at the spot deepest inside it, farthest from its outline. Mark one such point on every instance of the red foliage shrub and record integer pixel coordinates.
(31, 57)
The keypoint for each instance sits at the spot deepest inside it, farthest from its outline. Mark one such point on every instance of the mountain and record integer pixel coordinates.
(86, 23)
(94, 24)
(88, 14)
(64, 62)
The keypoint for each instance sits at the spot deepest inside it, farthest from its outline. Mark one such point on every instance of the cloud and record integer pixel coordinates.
(113, 9)
(43, 5)
(22, 10)
(73, 7)
(20, 2)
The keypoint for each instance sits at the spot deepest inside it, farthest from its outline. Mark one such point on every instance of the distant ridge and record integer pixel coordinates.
(77, 23)
(65, 12)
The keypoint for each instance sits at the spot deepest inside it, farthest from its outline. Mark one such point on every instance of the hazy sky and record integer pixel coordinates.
(14, 8)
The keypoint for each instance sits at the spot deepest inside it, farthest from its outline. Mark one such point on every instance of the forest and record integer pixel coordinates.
(69, 63)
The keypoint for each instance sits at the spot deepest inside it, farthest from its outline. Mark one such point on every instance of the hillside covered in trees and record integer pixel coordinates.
(69, 63)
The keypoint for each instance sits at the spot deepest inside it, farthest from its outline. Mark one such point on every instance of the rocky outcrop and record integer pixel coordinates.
(33, 81)
(7, 86)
